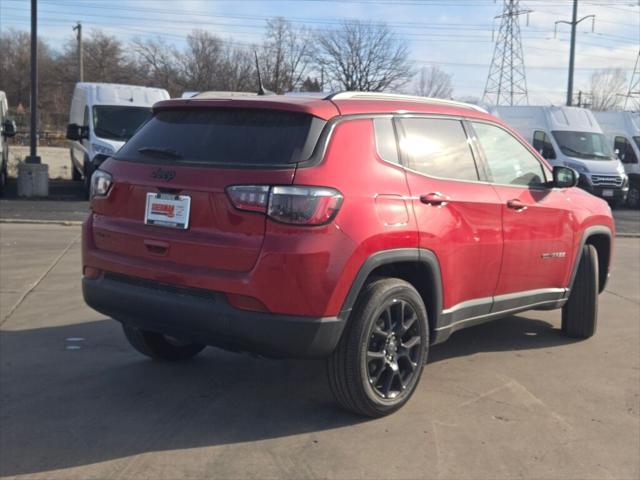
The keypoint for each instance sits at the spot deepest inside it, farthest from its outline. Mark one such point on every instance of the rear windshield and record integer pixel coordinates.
(229, 137)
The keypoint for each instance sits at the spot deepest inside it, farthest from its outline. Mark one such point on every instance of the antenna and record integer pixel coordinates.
(506, 82)
(261, 89)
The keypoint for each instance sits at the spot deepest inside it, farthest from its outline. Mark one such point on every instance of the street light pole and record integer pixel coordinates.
(572, 53)
(33, 175)
(33, 137)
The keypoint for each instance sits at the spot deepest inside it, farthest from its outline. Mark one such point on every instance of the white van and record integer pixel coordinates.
(571, 136)
(103, 117)
(7, 129)
(623, 132)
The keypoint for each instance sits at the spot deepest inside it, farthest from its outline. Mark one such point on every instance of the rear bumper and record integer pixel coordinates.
(206, 317)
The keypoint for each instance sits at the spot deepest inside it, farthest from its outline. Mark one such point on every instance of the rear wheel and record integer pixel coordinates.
(377, 365)
(580, 313)
(159, 346)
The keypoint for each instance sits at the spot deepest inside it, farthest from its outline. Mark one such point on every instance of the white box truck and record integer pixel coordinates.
(622, 129)
(7, 130)
(571, 136)
(103, 117)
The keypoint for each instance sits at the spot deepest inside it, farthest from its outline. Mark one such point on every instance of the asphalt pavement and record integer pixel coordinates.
(504, 400)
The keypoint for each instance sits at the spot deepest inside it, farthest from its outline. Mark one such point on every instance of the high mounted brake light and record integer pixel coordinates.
(292, 205)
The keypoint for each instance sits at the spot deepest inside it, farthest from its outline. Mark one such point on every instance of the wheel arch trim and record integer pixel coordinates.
(393, 257)
(588, 233)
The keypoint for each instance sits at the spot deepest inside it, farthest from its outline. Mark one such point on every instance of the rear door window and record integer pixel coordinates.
(227, 137)
(437, 148)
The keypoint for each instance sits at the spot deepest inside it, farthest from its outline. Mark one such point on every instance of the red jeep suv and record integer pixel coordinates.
(360, 227)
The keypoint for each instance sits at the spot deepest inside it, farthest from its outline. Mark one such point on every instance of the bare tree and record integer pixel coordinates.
(15, 80)
(285, 55)
(433, 82)
(210, 63)
(607, 87)
(199, 63)
(364, 56)
(105, 59)
(159, 61)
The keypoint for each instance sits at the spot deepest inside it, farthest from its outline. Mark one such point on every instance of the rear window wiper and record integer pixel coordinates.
(159, 152)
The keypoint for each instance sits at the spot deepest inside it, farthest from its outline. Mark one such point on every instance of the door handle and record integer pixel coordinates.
(516, 205)
(435, 198)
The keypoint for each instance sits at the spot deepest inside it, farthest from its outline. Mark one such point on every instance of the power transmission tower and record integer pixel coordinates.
(507, 83)
(78, 27)
(634, 85)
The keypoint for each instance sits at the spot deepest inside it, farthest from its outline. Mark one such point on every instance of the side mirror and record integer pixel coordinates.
(76, 132)
(8, 128)
(565, 177)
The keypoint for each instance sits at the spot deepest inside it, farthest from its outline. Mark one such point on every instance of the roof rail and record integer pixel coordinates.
(401, 98)
(222, 94)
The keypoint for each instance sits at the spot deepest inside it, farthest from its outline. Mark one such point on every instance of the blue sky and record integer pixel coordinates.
(456, 35)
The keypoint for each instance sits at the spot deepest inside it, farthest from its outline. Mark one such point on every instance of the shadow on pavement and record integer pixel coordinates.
(64, 407)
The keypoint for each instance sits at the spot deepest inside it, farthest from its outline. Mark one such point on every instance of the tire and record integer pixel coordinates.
(3, 178)
(160, 347)
(86, 179)
(617, 203)
(580, 313)
(76, 176)
(372, 354)
(633, 197)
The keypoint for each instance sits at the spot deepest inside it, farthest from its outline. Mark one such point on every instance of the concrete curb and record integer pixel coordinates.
(64, 223)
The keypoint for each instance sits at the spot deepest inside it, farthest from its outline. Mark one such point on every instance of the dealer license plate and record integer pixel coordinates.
(167, 210)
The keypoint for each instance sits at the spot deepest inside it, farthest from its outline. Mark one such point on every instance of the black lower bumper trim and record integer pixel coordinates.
(211, 320)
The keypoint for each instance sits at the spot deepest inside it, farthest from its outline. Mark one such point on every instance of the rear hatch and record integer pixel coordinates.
(181, 163)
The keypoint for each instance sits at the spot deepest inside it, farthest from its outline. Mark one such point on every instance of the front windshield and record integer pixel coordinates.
(118, 123)
(584, 145)
(637, 140)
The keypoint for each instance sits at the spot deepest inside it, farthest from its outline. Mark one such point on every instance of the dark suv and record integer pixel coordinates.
(361, 227)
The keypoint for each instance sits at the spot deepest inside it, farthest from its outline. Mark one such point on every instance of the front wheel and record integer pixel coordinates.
(159, 346)
(377, 365)
(580, 313)
(633, 197)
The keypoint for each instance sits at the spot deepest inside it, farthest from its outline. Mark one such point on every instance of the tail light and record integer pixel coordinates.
(101, 182)
(288, 204)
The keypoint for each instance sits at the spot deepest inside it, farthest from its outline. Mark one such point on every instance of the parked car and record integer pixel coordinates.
(623, 132)
(359, 227)
(8, 130)
(571, 136)
(103, 117)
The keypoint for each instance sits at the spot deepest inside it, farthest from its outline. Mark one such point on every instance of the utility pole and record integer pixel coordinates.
(33, 128)
(506, 82)
(78, 27)
(634, 84)
(572, 52)
(33, 175)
